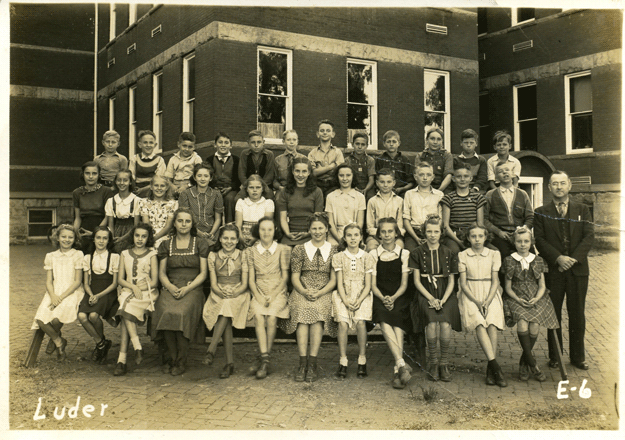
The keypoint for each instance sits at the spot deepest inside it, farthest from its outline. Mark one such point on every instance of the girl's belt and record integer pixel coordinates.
(432, 278)
(479, 279)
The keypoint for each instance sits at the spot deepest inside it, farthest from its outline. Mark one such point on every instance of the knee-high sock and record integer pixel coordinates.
(524, 339)
(445, 350)
(432, 349)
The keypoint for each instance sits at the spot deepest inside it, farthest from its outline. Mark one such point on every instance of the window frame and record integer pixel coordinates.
(487, 125)
(288, 120)
(188, 105)
(373, 137)
(514, 17)
(515, 108)
(132, 120)
(112, 21)
(132, 13)
(569, 116)
(447, 113)
(112, 112)
(28, 222)
(157, 114)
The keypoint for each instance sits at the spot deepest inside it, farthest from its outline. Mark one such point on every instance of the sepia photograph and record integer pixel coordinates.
(345, 217)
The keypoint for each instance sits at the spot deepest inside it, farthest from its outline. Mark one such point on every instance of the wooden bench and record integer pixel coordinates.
(35, 346)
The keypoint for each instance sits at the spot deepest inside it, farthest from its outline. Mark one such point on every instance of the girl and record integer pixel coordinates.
(391, 302)
(100, 284)
(352, 301)
(527, 299)
(89, 202)
(434, 272)
(206, 203)
(268, 264)
(63, 288)
(479, 299)
(310, 304)
(158, 208)
(229, 300)
(248, 211)
(122, 210)
(298, 201)
(344, 205)
(138, 278)
(182, 270)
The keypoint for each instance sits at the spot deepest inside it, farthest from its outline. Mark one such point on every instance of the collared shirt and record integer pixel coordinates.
(562, 207)
(180, 168)
(400, 164)
(224, 158)
(283, 162)
(479, 266)
(99, 263)
(320, 158)
(254, 211)
(270, 167)
(110, 165)
(382, 254)
(147, 162)
(363, 167)
(507, 194)
(344, 207)
(202, 205)
(492, 162)
(378, 208)
(339, 263)
(525, 261)
(442, 162)
(418, 205)
(311, 250)
(272, 249)
(122, 207)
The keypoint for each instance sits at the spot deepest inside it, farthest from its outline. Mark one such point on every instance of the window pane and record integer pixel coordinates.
(191, 115)
(38, 230)
(191, 73)
(526, 102)
(486, 146)
(434, 120)
(484, 110)
(40, 216)
(271, 109)
(581, 94)
(582, 131)
(481, 21)
(272, 73)
(434, 86)
(358, 120)
(529, 135)
(360, 86)
(159, 88)
(524, 14)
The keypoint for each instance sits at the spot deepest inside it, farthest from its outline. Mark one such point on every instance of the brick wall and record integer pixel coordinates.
(42, 68)
(606, 111)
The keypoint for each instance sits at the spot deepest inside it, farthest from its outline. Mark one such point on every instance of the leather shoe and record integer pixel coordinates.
(263, 371)
(166, 368)
(362, 370)
(499, 379)
(97, 353)
(554, 364)
(397, 383)
(105, 351)
(120, 369)
(51, 347)
(138, 357)
(178, 369)
(227, 371)
(404, 374)
(524, 372)
(342, 372)
(60, 354)
(208, 358)
(445, 375)
(300, 376)
(311, 373)
(538, 375)
(433, 373)
(490, 379)
(581, 365)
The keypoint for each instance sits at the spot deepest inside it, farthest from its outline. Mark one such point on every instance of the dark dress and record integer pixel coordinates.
(389, 274)
(107, 306)
(435, 268)
(184, 314)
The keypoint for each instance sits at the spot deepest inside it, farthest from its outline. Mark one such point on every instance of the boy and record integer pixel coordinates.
(325, 158)
(284, 161)
(442, 161)
(419, 203)
(460, 208)
(384, 204)
(502, 142)
(180, 166)
(256, 160)
(226, 173)
(477, 163)
(110, 161)
(506, 208)
(362, 164)
(146, 164)
(393, 159)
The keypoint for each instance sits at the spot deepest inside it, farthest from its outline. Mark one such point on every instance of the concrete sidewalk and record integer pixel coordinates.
(147, 399)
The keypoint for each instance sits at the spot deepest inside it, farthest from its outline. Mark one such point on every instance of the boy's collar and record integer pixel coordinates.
(184, 158)
(397, 153)
(115, 153)
(468, 157)
(507, 156)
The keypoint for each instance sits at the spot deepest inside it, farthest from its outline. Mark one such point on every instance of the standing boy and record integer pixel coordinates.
(285, 160)
(383, 205)
(256, 160)
(564, 234)
(476, 162)
(502, 142)
(180, 167)
(146, 164)
(394, 160)
(326, 157)
(362, 164)
(110, 161)
(419, 203)
(226, 173)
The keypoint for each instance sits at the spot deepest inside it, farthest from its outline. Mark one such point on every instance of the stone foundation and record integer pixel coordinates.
(18, 215)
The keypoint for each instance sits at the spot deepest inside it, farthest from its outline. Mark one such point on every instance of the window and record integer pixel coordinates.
(525, 117)
(132, 13)
(132, 120)
(188, 92)
(482, 24)
(522, 15)
(578, 107)
(157, 106)
(275, 92)
(436, 103)
(362, 99)
(112, 113)
(113, 19)
(40, 221)
(485, 143)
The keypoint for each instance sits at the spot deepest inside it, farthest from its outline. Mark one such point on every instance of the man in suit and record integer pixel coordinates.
(564, 235)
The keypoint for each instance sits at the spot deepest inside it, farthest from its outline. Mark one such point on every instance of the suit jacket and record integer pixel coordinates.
(549, 240)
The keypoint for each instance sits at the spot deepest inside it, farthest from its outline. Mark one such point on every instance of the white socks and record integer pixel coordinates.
(343, 361)
(400, 363)
(122, 357)
(362, 360)
(136, 343)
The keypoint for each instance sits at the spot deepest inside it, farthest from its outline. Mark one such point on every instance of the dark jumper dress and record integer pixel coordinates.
(106, 306)
(388, 280)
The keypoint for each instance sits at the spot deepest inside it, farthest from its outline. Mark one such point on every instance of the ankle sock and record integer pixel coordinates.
(432, 350)
(401, 363)
(362, 360)
(445, 351)
(396, 369)
(122, 358)
(136, 343)
(343, 361)
(101, 343)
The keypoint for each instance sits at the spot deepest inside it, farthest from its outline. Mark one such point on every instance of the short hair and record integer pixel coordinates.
(146, 133)
(109, 245)
(559, 172)
(434, 129)
(327, 122)
(179, 211)
(146, 226)
(318, 217)
(199, 166)
(390, 134)
(186, 136)
(277, 232)
(287, 132)
(222, 134)
(255, 178)
(339, 168)
(111, 133)
(432, 219)
(500, 163)
(86, 165)
(362, 135)
(460, 165)
(169, 193)
(253, 133)
(520, 230)
(385, 172)
(469, 133)
(131, 187)
(54, 235)
(392, 221)
(502, 134)
(423, 164)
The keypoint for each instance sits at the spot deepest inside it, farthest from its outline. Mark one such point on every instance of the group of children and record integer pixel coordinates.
(350, 265)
